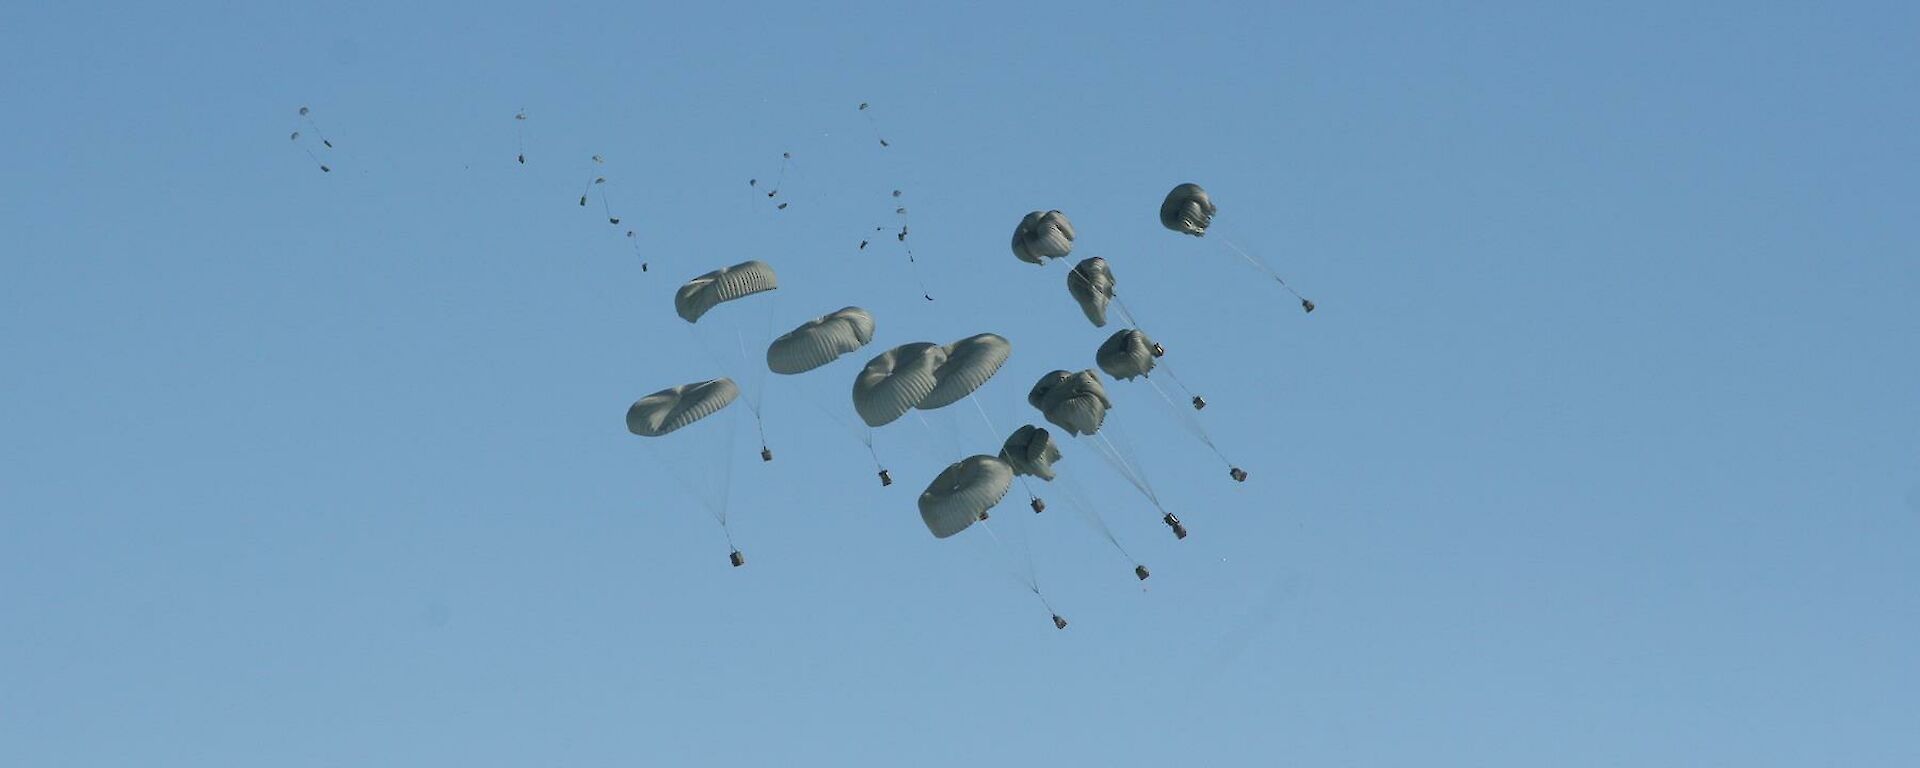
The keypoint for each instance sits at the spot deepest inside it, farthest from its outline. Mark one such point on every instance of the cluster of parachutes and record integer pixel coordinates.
(925, 376)
(916, 376)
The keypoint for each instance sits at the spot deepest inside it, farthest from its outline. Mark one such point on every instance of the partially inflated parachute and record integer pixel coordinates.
(1042, 235)
(1187, 210)
(1075, 402)
(1030, 451)
(1126, 354)
(963, 493)
(820, 341)
(1091, 285)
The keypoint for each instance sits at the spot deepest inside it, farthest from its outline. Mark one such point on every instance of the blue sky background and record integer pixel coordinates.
(1603, 447)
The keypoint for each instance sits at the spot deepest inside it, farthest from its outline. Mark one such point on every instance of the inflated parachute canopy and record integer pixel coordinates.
(675, 407)
(1042, 235)
(1030, 451)
(1075, 402)
(1126, 354)
(710, 290)
(1187, 210)
(1091, 284)
(896, 381)
(970, 362)
(820, 341)
(963, 492)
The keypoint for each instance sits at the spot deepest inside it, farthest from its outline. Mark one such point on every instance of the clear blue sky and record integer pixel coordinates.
(1602, 449)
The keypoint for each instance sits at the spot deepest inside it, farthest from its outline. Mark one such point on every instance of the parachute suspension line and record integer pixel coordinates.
(1190, 421)
(1077, 498)
(1028, 578)
(520, 134)
(604, 206)
(875, 126)
(295, 138)
(993, 430)
(593, 177)
(786, 159)
(1262, 266)
(1127, 312)
(726, 472)
(954, 440)
(1126, 468)
(913, 263)
(1033, 578)
(726, 491)
(634, 238)
(305, 114)
(758, 389)
(310, 155)
(1182, 386)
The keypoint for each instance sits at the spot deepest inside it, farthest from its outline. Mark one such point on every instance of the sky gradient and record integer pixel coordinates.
(1602, 447)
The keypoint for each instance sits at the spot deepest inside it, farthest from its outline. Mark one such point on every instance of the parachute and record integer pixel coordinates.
(817, 343)
(962, 494)
(1126, 354)
(895, 381)
(1042, 235)
(1030, 451)
(701, 295)
(520, 134)
(820, 341)
(969, 363)
(674, 407)
(1091, 285)
(1187, 210)
(707, 291)
(1075, 402)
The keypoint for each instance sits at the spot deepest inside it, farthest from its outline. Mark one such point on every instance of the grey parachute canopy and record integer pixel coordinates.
(1126, 354)
(963, 492)
(969, 363)
(1187, 210)
(1075, 402)
(820, 341)
(896, 381)
(1091, 284)
(707, 291)
(675, 407)
(1042, 235)
(1030, 451)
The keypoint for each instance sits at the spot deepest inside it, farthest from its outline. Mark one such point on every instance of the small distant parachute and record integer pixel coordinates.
(1075, 402)
(1030, 450)
(707, 291)
(962, 494)
(675, 407)
(1091, 285)
(969, 363)
(1126, 354)
(895, 381)
(1042, 235)
(820, 341)
(1187, 210)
